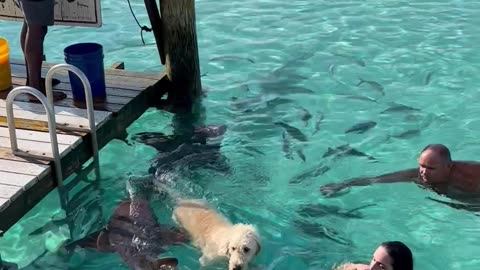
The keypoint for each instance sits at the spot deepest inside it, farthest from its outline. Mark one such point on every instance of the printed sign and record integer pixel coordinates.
(67, 12)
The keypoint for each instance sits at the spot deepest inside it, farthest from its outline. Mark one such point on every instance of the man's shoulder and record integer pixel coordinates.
(467, 165)
(466, 171)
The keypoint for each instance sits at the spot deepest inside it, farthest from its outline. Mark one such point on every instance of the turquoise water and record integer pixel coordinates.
(424, 54)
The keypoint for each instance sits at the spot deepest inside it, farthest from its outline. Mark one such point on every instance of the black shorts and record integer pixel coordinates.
(38, 12)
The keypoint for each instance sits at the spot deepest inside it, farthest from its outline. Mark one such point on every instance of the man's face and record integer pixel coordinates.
(432, 168)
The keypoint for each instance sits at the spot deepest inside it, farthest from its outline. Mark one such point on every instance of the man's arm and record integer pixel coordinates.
(401, 176)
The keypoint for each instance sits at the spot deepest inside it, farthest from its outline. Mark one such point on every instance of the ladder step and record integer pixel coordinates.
(34, 154)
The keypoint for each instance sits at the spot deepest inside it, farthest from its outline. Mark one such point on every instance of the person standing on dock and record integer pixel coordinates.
(38, 15)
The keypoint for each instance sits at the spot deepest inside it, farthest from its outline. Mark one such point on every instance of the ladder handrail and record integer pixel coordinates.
(52, 125)
(88, 98)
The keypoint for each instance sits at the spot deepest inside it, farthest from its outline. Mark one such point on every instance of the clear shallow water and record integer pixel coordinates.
(296, 46)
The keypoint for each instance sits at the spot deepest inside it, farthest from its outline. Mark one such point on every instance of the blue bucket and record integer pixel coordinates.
(88, 57)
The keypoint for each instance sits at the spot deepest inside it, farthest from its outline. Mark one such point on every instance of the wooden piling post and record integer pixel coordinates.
(179, 44)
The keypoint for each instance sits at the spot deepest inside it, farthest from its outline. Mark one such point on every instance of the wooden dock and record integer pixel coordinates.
(25, 181)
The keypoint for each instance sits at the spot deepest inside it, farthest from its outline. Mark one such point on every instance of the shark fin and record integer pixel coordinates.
(103, 243)
(97, 240)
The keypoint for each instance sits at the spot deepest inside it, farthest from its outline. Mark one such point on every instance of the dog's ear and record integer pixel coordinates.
(227, 249)
(259, 247)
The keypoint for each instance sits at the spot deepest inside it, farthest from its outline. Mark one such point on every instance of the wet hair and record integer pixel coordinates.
(401, 255)
(441, 150)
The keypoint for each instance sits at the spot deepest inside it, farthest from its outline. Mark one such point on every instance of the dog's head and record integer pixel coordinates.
(242, 247)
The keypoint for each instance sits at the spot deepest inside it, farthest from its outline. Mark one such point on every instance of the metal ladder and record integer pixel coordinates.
(50, 109)
(48, 104)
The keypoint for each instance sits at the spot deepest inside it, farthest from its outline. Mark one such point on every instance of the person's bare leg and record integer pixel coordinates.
(23, 37)
(34, 58)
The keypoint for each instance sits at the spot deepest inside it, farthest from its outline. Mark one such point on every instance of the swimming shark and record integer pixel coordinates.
(318, 230)
(167, 143)
(361, 127)
(134, 233)
(190, 156)
(292, 131)
(314, 172)
(180, 156)
(321, 210)
(345, 150)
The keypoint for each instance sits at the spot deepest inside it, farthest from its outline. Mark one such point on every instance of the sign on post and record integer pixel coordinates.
(85, 13)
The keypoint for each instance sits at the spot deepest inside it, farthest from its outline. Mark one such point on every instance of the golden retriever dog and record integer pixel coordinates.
(216, 236)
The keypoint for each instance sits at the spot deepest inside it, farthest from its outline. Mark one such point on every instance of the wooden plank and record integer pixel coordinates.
(37, 136)
(116, 79)
(128, 73)
(110, 99)
(25, 201)
(68, 103)
(6, 153)
(69, 100)
(111, 90)
(65, 117)
(63, 122)
(9, 192)
(120, 89)
(38, 170)
(28, 124)
(65, 79)
(59, 110)
(65, 86)
(36, 148)
(16, 179)
(108, 71)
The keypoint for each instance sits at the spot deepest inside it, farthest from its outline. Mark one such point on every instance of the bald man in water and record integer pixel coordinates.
(436, 171)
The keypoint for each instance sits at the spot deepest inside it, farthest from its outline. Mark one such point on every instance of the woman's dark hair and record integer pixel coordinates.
(401, 255)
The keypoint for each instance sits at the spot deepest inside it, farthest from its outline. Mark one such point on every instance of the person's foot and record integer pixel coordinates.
(55, 82)
(42, 81)
(57, 95)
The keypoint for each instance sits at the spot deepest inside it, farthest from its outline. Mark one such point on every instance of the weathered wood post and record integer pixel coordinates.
(175, 34)
(179, 44)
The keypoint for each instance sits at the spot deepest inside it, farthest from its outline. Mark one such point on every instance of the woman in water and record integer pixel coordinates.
(388, 256)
